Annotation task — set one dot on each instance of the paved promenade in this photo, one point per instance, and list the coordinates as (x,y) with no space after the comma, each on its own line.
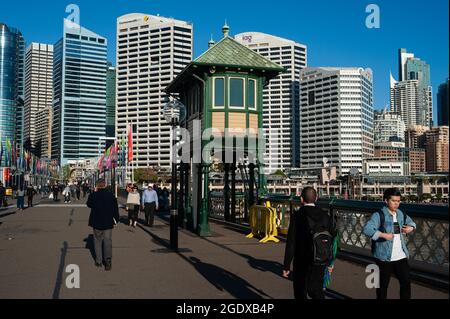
(37,245)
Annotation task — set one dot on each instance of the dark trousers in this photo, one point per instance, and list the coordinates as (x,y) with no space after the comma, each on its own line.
(149,209)
(30,201)
(308,281)
(401,270)
(20,202)
(102,239)
(55,196)
(133,212)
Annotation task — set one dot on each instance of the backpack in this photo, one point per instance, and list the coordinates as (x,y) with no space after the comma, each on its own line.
(383,230)
(323,241)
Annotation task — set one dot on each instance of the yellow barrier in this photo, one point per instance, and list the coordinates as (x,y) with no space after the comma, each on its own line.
(263,223)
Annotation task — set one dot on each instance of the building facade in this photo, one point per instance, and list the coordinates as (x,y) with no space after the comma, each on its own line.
(412,95)
(79,106)
(437,149)
(442,104)
(336,117)
(12,47)
(388,125)
(415,136)
(44,123)
(385,167)
(398,152)
(151,51)
(111,101)
(281,100)
(38,88)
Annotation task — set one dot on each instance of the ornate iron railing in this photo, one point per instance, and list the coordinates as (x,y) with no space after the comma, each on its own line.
(428,245)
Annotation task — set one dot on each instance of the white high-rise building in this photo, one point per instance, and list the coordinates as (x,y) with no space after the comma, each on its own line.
(336,117)
(281,100)
(406,99)
(38,87)
(388,125)
(151,52)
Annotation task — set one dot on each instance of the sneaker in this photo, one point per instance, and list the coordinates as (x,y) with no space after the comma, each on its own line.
(108,265)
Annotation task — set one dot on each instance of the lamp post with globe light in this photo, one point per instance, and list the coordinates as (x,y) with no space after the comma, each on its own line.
(174,112)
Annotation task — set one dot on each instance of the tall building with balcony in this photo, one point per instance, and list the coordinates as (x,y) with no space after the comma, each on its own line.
(437,149)
(38,88)
(336,117)
(415,136)
(442,104)
(151,52)
(412,95)
(281,100)
(388,126)
(12,48)
(79,105)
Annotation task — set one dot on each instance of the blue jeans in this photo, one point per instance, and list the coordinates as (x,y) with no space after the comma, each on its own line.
(20,202)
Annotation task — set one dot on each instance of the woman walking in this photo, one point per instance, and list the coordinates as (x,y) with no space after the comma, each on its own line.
(20,198)
(133,204)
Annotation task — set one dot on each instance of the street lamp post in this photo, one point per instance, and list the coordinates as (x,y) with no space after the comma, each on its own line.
(174,112)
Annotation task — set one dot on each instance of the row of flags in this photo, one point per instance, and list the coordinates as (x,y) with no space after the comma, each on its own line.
(11,155)
(118,153)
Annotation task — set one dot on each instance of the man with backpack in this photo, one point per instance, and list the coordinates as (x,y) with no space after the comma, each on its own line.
(310,242)
(388,229)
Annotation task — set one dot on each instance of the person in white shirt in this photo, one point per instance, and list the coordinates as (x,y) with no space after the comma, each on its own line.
(149,204)
(388,229)
(133,202)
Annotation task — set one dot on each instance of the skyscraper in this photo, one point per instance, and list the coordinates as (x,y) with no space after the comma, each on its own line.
(79,107)
(44,123)
(336,117)
(151,51)
(418,100)
(281,101)
(442,100)
(388,125)
(437,149)
(110,101)
(11,83)
(38,87)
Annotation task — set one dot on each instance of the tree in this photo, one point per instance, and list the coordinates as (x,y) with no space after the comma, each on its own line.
(145,175)
(65,172)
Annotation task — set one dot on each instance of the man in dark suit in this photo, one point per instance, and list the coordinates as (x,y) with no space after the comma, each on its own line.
(104,216)
(308,277)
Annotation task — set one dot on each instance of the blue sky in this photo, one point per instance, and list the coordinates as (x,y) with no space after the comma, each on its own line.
(334,31)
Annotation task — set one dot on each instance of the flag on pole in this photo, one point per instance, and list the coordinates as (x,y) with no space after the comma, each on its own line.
(130,143)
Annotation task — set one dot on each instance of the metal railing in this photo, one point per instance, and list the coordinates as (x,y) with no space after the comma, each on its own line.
(428,245)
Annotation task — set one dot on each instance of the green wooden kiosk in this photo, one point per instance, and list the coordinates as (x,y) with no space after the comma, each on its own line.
(221,89)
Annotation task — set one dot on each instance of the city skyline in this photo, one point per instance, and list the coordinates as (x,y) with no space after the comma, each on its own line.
(352,46)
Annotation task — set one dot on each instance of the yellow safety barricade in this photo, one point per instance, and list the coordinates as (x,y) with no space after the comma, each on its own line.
(263,223)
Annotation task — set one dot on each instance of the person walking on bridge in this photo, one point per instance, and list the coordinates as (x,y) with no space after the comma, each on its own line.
(149,204)
(104,216)
(310,242)
(388,229)
(133,204)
